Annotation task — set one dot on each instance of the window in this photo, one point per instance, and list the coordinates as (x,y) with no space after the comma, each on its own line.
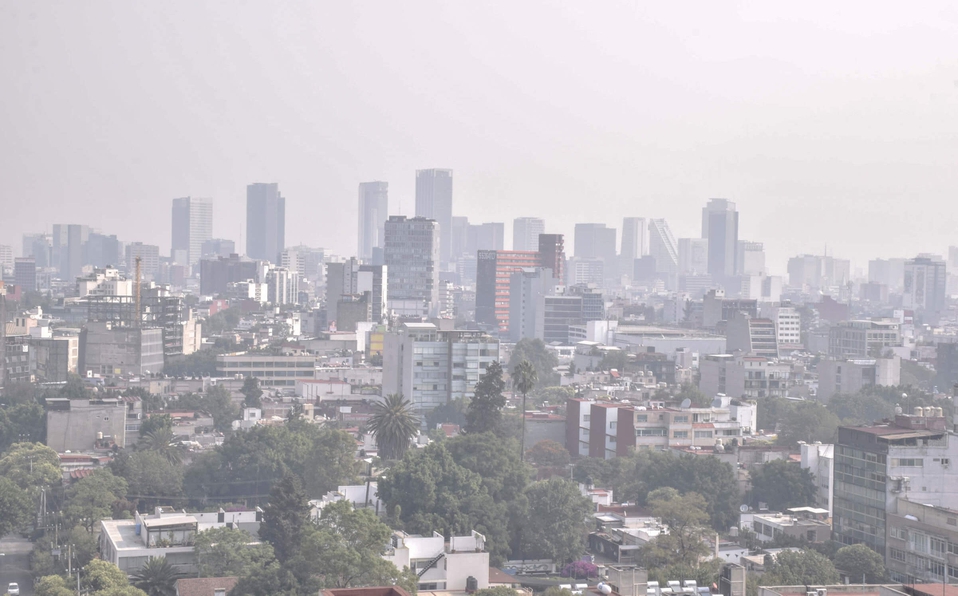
(586,418)
(641,417)
(938,547)
(680,434)
(703,434)
(612,425)
(680,419)
(610,438)
(650,432)
(908,462)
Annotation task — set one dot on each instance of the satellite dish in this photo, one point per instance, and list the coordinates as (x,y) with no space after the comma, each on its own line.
(717,402)
(686,404)
(743,508)
(604,588)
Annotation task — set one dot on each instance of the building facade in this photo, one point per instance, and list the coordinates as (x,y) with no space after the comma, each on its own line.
(434,201)
(192,226)
(265,222)
(494,269)
(412,257)
(525,233)
(373,213)
(430,367)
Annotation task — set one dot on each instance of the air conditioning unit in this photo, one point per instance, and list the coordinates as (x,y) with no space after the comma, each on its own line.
(821,592)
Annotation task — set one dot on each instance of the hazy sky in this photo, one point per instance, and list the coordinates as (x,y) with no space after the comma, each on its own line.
(827,122)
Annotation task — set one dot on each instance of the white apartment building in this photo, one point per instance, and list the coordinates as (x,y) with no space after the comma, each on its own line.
(270,370)
(819,459)
(130,543)
(431,366)
(104,282)
(788,326)
(440,565)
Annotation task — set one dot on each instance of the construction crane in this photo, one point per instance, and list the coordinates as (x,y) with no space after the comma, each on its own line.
(136,289)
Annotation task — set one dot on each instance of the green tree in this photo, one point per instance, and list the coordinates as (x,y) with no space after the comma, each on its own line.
(345,548)
(524,378)
(226,552)
(687,539)
(164,442)
(428,491)
(543,359)
(157,577)
(781,485)
(555,527)
(494,460)
(32,466)
(219,404)
(859,562)
(799,568)
(451,412)
(100,576)
(252,393)
(485,408)
(91,499)
(52,585)
(150,477)
(154,423)
(15,507)
(617,359)
(85,545)
(549,454)
(394,424)
(808,421)
(645,470)
(22,422)
(285,517)
(500,591)
(692,393)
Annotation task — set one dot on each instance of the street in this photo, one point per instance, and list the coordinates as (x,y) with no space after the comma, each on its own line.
(15,564)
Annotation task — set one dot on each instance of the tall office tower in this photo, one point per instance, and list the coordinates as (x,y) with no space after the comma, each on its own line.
(40,248)
(192,226)
(412,257)
(693,256)
(595,241)
(925,278)
(265,222)
(217,247)
(101,250)
(25,274)
(434,201)
(6,257)
(750,258)
(635,243)
(635,238)
(149,259)
(525,232)
(662,247)
(68,244)
(493,271)
(720,228)
(373,212)
(552,254)
(488,236)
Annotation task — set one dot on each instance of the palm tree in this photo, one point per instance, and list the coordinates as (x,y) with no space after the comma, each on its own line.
(157,578)
(394,424)
(164,442)
(524,378)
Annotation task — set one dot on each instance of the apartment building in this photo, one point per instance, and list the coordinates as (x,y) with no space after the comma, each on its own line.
(270,370)
(863,338)
(749,377)
(849,376)
(907,458)
(454,566)
(431,366)
(609,429)
(922,543)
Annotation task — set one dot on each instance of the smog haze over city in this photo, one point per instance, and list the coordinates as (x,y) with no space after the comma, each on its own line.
(829,124)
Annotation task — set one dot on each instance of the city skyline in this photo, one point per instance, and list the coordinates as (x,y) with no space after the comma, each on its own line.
(826,135)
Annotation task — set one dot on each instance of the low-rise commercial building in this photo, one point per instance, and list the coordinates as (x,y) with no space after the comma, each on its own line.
(748,377)
(269,369)
(849,376)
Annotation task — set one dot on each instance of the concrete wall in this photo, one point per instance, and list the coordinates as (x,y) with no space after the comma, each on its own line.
(75,429)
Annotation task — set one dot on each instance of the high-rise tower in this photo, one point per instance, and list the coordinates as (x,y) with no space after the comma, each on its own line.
(265,222)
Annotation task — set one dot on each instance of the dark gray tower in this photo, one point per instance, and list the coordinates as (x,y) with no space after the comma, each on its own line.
(265,222)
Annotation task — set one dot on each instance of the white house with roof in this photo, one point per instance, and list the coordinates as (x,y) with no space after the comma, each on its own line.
(445,566)
(360,495)
(130,543)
